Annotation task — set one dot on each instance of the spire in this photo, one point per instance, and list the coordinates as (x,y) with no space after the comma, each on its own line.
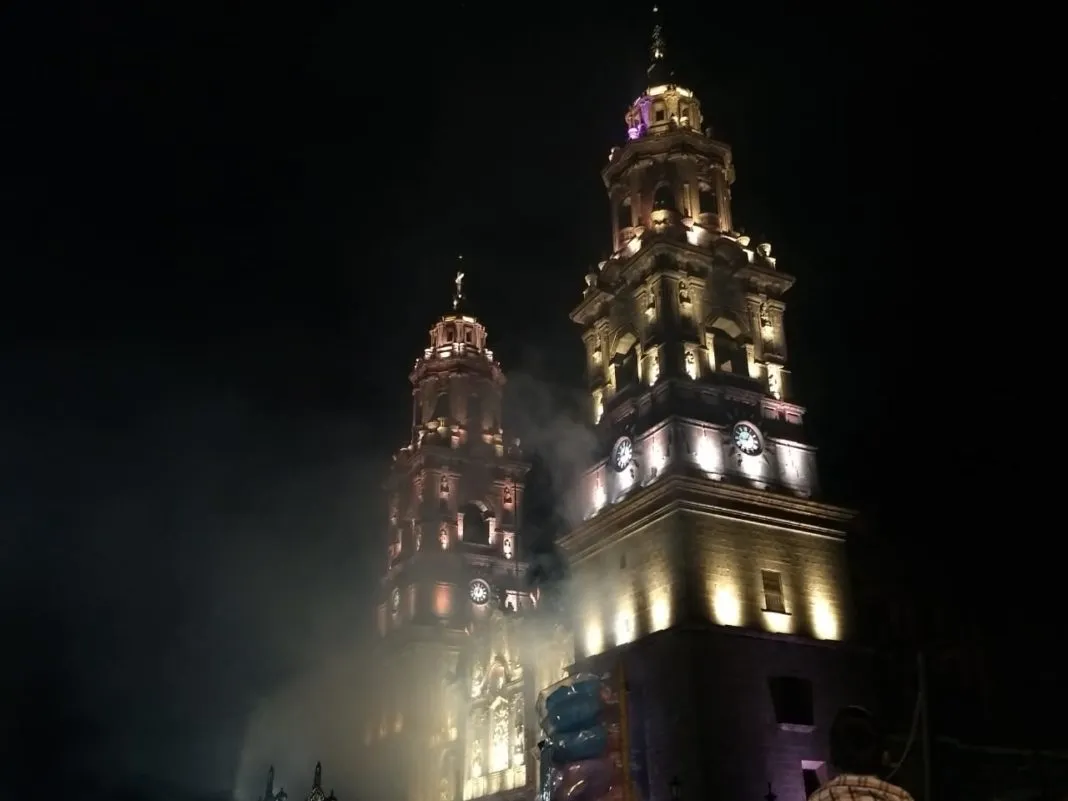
(458,294)
(658,71)
(318,781)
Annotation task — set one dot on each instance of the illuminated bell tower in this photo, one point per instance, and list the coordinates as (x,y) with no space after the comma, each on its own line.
(454,690)
(703,561)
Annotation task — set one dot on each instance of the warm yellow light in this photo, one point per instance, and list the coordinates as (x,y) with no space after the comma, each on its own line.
(660,613)
(624,626)
(709,457)
(777,622)
(594,639)
(726,607)
(652,372)
(824,619)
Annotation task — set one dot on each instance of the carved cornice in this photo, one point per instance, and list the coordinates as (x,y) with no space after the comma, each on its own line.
(675,493)
(589,308)
(766,279)
(684,141)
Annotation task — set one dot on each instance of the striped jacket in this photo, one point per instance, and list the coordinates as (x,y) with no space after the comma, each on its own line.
(848,787)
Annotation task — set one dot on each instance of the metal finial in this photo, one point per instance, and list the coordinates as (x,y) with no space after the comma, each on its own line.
(458,295)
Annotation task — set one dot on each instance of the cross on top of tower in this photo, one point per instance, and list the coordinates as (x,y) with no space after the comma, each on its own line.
(658,71)
(658,37)
(458,294)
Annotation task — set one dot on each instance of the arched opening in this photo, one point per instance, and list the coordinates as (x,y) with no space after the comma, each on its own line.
(476,523)
(664,198)
(707,199)
(730,353)
(625,361)
(441,406)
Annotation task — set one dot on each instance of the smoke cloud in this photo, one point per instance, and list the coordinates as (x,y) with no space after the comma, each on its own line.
(550,419)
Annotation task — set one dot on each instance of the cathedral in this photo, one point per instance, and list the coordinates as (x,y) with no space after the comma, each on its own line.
(705,569)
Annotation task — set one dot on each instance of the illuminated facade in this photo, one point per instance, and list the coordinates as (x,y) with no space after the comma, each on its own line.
(453,718)
(704,561)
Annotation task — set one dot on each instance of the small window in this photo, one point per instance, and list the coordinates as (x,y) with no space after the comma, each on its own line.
(659,117)
(791,697)
(469,336)
(773,597)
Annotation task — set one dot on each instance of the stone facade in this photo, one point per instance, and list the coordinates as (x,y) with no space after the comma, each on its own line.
(705,570)
(452,713)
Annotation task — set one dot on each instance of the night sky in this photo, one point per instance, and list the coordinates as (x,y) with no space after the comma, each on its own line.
(227,238)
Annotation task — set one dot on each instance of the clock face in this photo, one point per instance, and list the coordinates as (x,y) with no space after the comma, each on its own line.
(622,453)
(395,599)
(747,439)
(479,592)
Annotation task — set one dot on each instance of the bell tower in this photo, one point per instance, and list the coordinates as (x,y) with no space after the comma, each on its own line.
(704,562)
(454,686)
(686,317)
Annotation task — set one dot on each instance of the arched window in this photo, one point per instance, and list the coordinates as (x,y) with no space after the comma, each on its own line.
(625,360)
(623,218)
(707,199)
(730,354)
(663,199)
(441,406)
(476,524)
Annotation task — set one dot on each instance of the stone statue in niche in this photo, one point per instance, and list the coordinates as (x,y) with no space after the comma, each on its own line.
(443,487)
(519,747)
(775,384)
(418,537)
(691,364)
(650,305)
(684,294)
(443,537)
(476,758)
(507,495)
(765,316)
(478,679)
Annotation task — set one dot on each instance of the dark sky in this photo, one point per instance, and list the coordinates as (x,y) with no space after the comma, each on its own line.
(228,234)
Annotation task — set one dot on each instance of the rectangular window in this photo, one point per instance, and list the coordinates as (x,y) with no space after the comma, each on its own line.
(773,596)
(791,698)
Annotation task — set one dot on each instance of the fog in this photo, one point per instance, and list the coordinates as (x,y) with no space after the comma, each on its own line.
(191,560)
(320,714)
